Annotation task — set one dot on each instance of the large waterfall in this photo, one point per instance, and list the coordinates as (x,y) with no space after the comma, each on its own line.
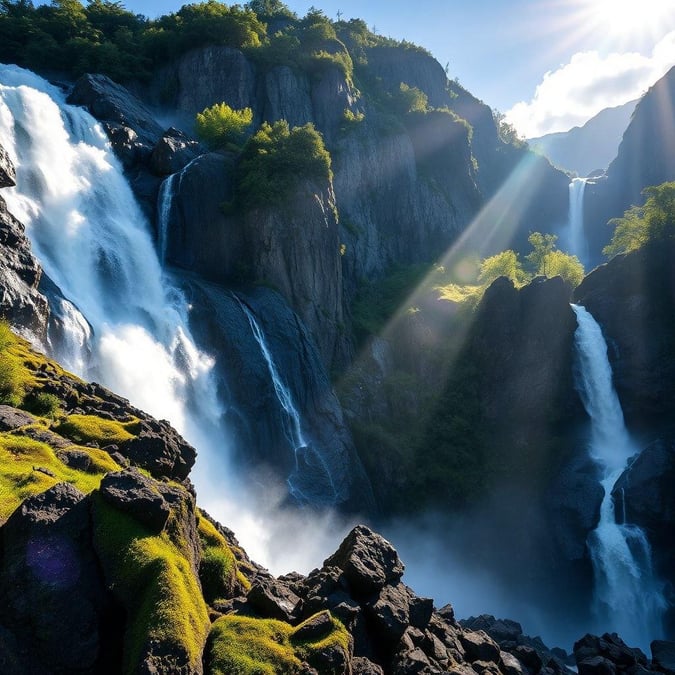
(577,237)
(628,597)
(126,324)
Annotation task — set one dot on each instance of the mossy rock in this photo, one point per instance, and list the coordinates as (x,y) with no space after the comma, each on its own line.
(167,619)
(241,645)
(218,570)
(93,429)
(28,467)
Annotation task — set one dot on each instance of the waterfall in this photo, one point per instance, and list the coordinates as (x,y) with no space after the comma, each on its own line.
(321,487)
(164,204)
(577,237)
(125,325)
(628,596)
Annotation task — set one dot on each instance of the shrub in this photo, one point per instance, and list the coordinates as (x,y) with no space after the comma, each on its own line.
(221,126)
(276,158)
(43,404)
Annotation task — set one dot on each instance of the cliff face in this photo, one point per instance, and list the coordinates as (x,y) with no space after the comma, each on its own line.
(646,157)
(21,302)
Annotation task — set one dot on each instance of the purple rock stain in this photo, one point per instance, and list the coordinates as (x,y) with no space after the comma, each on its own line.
(53,561)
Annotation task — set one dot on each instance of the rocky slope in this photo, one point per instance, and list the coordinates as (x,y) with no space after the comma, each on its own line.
(108,566)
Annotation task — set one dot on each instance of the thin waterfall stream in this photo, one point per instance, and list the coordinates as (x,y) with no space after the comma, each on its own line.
(628,596)
(577,237)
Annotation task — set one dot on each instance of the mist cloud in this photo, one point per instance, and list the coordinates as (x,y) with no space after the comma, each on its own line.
(590,82)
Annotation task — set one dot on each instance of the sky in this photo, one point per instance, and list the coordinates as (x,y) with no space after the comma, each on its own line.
(548,65)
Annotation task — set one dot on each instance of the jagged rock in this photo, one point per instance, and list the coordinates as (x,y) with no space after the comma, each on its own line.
(173,152)
(420,609)
(596,665)
(363,666)
(390,613)
(529,657)
(161,451)
(367,560)
(663,655)
(7,170)
(127,145)
(500,630)
(315,628)
(11,418)
(510,665)
(21,303)
(108,101)
(269,597)
(131,492)
(51,590)
(479,646)
(288,96)
(595,654)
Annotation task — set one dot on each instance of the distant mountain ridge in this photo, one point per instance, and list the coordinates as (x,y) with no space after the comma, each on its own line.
(589,147)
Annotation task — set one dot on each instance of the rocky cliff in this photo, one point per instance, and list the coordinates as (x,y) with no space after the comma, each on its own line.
(108,566)
(646,157)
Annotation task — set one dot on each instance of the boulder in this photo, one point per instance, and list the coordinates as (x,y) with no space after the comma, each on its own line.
(173,152)
(7,170)
(367,560)
(51,590)
(606,654)
(111,102)
(389,614)
(271,598)
(363,666)
(663,656)
(479,646)
(12,418)
(161,450)
(131,492)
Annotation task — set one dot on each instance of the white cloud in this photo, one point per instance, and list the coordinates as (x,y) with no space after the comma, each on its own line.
(578,90)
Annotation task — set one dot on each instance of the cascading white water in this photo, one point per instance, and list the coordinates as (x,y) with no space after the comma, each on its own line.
(577,238)
(628,596)
(92,240)
(126,323)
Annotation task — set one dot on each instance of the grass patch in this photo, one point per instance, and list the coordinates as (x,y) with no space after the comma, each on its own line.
(20,459)
(156,585)
(92,429)
(14,376)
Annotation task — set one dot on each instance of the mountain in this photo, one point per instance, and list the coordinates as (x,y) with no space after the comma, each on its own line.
(646,157)
(588,148)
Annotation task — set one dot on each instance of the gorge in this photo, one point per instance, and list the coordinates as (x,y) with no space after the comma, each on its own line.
(444,425)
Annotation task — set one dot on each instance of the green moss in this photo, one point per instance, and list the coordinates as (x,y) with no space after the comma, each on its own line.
(89,428)
(241,645)
(156,585)
(14,376)
(217,567)
(24,464)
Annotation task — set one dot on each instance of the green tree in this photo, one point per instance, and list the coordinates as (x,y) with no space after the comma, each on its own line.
(504,264)
(653,221)
(276,157)
(220,126)
(559,264)
(270,9)
(542,245)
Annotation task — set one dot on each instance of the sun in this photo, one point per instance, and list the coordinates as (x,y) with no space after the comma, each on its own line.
(623,18)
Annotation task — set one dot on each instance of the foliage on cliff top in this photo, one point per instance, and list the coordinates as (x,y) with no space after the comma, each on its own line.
(221,126)
(276,158)
(105,37)
(640,225)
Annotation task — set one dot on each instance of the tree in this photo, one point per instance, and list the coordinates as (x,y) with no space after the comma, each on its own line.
(653,221)
(542,245)
(220,125)
(504,264)
(559,264)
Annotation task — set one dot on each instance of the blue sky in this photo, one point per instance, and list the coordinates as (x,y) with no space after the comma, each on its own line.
(548,64)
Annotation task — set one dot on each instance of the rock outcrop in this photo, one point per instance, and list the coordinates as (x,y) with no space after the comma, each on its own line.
(21,302)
